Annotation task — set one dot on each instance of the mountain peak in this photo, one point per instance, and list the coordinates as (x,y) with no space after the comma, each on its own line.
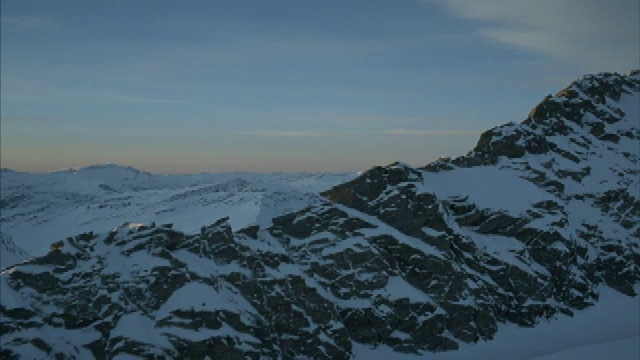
(593,109)
(101,169)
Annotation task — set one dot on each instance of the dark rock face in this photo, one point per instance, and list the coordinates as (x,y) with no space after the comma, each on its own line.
(588,103)
(417,259)
(185,286)
(389,193)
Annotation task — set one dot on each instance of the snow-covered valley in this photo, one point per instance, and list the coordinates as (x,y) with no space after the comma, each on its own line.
(41,208)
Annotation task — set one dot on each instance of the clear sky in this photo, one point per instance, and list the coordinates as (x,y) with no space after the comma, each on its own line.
(211,86)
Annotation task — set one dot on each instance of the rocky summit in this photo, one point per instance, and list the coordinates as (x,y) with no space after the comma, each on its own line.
(530,223)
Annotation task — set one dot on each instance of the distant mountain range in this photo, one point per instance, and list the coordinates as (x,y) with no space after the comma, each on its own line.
(531,223)
(38,207)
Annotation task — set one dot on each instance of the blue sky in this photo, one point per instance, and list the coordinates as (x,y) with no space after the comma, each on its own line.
(212,86)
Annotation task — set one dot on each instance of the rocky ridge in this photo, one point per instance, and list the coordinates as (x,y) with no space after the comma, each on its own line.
(528,224)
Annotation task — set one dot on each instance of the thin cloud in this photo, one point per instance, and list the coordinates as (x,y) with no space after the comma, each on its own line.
(146,100)
(596,35)
(441,132)
(46,91)
(27,119)
(29,24)
(281,133)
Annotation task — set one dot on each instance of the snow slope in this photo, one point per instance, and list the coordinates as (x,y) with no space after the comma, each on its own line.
(10,253)
(41,208)
(608,330)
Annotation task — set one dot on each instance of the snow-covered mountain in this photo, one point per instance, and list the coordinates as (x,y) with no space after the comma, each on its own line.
(535,222)
(39,207)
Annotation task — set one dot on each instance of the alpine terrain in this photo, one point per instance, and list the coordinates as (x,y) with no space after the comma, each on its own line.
(37,207)
(536,221)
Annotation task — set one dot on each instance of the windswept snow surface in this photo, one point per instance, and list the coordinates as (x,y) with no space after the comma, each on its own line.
(10,253)
(608,330)
(619,349)
(488,187)
(41,208)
